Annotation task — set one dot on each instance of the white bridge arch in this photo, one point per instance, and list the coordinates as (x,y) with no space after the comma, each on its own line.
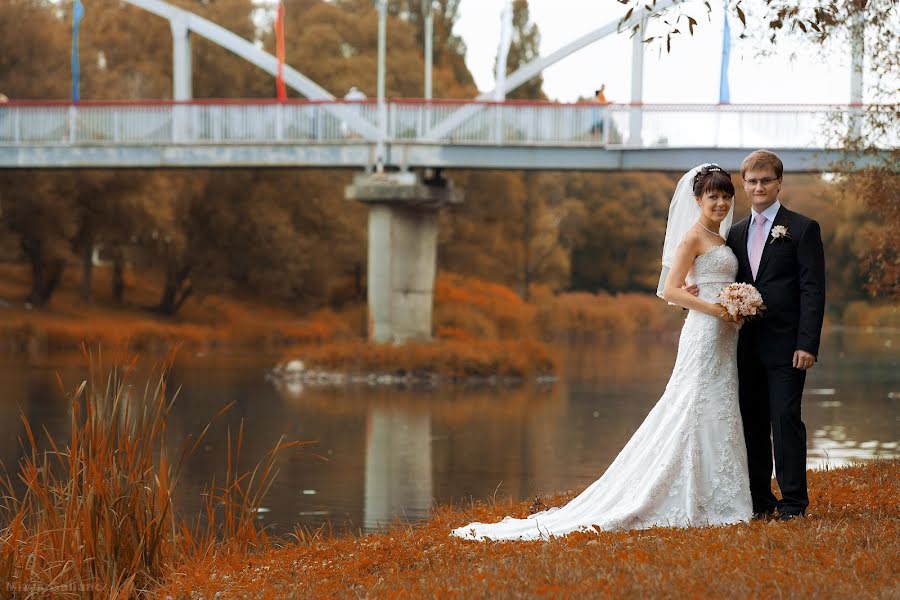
(183,22)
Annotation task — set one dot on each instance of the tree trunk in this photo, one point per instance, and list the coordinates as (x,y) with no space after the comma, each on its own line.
(45,275)
(527,236)
(34,252)
(87,270)
(53,278)
(176,291)
(118,276)
(358,280)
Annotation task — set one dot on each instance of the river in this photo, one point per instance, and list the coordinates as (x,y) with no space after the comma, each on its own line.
(384,453)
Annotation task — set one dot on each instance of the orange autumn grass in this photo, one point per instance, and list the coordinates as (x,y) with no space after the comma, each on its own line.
(483,329)
(846,548)
(93,517)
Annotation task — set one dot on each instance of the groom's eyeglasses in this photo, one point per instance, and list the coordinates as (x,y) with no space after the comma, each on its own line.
(766,181)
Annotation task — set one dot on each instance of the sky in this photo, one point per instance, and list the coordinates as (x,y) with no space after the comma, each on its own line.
(796,73)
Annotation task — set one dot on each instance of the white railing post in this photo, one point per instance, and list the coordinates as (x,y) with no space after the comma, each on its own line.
(606,119)
(73,124)
(279,121)
(17,125)
(319,120)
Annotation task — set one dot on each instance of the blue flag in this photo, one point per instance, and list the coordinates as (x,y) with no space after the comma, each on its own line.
(724,91)
(77,16)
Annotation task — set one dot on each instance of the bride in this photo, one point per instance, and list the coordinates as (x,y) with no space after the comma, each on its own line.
(687,464)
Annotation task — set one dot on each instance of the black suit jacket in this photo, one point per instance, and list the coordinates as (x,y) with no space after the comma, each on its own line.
(791,279)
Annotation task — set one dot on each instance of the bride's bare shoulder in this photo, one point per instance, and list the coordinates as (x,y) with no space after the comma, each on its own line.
(691,243)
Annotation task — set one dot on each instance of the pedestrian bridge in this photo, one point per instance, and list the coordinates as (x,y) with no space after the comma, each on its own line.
(419,134)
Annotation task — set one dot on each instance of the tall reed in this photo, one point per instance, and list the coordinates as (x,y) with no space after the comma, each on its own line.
(94,517)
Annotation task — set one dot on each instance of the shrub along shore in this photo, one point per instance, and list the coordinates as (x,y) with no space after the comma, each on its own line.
(482,330)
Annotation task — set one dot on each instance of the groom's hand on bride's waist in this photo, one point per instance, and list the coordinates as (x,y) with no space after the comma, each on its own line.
(693,290)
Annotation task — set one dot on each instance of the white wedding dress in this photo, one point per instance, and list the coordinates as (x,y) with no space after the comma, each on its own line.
(686,465)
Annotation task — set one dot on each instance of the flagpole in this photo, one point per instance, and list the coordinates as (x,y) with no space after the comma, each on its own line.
(382,106)
(77,16)
(724,89)
(279,42)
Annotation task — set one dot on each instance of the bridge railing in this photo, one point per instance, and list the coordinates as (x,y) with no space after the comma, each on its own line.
(486,123)
(622,126)
(220,122)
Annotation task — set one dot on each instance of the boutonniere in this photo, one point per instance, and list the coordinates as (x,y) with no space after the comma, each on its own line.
(779,232)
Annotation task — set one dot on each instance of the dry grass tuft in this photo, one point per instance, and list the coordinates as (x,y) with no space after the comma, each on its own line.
(94,518)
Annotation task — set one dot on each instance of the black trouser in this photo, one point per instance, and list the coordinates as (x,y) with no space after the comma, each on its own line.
(770,408)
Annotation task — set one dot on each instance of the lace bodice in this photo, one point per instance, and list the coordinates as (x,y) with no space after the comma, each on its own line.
(713,270)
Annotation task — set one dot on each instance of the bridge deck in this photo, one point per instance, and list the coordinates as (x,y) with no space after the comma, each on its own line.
(510,135)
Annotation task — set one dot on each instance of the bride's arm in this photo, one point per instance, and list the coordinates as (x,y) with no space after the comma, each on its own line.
(685,254)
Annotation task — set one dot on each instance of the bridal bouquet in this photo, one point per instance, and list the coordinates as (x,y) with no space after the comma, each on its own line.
(741,301)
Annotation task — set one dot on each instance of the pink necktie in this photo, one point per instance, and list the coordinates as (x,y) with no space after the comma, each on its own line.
(757,242)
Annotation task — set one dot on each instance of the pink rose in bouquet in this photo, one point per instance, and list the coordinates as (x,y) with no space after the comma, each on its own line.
(741,301)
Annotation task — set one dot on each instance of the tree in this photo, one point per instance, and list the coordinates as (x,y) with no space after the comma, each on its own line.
(211,61)
(525,48)
(449,48)
(43,220)
(620,242)
(113,65)
(30,28)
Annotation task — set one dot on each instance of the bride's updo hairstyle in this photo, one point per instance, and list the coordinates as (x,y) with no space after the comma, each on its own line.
(713,178)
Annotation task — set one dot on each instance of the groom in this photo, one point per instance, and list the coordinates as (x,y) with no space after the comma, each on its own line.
(780,253)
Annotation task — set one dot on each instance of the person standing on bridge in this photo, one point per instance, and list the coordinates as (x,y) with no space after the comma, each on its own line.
(353,96)
(780,252)
(600,113)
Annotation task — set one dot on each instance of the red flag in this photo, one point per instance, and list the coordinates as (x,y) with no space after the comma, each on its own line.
(279,42)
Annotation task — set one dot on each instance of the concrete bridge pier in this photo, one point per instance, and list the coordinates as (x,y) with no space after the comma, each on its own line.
(403,227)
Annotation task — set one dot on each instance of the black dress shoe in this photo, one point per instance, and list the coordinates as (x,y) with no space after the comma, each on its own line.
(789,516)
(763,515)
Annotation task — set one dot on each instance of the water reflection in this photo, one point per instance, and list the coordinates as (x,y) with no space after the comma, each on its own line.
(382,454)
(398,465)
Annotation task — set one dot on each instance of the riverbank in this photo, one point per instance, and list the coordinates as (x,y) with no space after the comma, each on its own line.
(205,323)
(483,331)
(846,548)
